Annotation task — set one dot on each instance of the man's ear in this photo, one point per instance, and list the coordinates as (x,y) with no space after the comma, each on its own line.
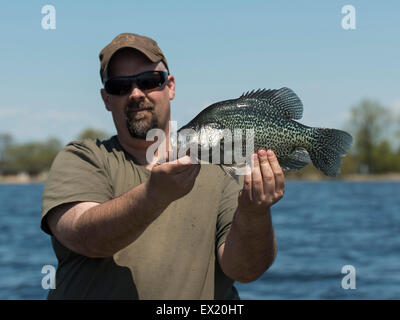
(171,87)
(106,99)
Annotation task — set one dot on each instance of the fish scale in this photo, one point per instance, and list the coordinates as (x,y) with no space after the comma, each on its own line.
(271,114)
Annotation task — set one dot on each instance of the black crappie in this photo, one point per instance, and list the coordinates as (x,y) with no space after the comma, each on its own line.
(270,114)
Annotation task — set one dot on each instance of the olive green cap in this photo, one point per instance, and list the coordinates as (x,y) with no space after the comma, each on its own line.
(143,44)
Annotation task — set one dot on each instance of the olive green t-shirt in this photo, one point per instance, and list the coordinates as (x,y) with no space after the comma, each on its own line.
(174,258)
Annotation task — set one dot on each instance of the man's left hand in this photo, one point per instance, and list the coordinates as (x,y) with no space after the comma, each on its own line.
(264,185)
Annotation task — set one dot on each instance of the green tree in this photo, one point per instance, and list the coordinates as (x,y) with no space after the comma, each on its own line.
(5,141)
(91,133)
(350,164)
(386,159)
(31,157)
(368,124)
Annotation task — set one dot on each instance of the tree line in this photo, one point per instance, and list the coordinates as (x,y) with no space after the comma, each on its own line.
(376,147)
(34,157)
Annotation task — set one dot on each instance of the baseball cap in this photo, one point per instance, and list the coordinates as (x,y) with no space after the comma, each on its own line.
(145,45)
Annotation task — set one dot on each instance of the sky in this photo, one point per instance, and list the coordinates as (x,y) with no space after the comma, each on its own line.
(50,84)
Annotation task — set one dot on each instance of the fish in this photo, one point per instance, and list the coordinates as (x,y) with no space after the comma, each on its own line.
(269,116)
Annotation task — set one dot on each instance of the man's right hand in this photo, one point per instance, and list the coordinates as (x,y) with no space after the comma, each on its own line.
(172,180)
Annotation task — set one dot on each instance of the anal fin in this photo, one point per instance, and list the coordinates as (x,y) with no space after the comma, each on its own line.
(298,159)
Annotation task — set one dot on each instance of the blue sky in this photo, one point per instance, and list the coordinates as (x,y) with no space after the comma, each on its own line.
(216,50)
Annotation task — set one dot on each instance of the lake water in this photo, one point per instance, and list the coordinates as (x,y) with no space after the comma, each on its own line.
(320,227)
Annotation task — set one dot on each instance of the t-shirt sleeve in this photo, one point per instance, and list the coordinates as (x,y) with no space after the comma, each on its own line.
(227,208)
(78,173)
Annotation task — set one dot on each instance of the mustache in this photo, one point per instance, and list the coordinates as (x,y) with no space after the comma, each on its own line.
(139,105)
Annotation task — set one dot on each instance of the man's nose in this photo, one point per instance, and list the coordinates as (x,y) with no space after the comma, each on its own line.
(136,93)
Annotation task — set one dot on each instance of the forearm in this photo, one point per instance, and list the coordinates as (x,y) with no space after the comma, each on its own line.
(100,230)
(107,228)
(250,247)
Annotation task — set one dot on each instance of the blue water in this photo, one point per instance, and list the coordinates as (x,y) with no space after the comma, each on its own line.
(320,227)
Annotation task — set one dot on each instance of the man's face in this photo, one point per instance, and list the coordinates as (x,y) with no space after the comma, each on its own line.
(138,111)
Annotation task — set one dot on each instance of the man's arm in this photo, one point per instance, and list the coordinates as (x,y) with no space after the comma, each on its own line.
(250,246)
(100,230)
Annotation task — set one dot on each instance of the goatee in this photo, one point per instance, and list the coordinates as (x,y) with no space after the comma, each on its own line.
(140,122)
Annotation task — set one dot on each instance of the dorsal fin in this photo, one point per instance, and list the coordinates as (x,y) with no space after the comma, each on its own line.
(262,94)
(284,99)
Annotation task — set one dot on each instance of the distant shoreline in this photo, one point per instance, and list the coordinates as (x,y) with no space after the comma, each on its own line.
(22,179)
(26,179)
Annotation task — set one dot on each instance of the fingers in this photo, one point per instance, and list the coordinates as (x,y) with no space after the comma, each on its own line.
(277,172)
(257,180)
(267,172)
(178,166)
(187,178)
(192,175)
(183,168)
(246,193)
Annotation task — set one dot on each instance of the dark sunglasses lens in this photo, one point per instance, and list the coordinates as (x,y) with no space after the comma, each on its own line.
(145,81)
(118,86)
(151,80)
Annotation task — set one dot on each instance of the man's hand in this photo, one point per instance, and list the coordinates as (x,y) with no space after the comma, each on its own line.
(172,180)
(264,185)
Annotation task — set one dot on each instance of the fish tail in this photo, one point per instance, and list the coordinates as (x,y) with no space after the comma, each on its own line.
(328,147)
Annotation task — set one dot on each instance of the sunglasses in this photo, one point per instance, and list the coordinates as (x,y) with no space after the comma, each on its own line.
(145,81)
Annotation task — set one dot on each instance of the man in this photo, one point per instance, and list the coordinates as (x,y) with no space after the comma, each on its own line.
(124,228)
